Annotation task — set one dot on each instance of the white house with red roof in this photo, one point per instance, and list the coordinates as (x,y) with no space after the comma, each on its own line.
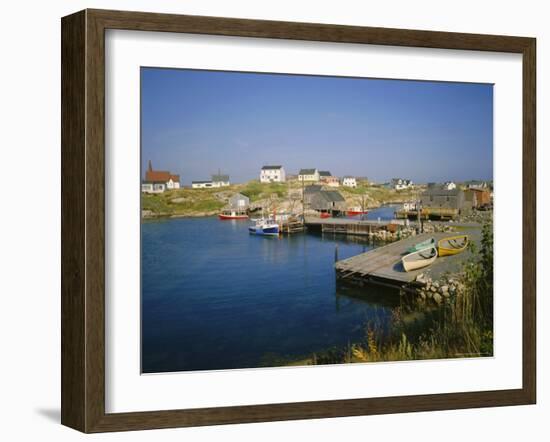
(157,181)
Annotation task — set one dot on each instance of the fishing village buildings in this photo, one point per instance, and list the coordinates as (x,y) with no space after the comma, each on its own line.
(157,181)
(326,178)
(218,180)
(239,202)
(349,181)
(401,184)
(272,174)
(308,175)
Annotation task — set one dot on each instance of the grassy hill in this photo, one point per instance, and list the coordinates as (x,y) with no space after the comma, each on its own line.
(208,202)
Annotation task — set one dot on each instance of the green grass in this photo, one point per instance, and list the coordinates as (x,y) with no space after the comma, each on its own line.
(182,202)
(256,190)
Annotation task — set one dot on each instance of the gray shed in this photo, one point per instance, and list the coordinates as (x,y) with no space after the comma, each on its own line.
(436,197)
(239,201)
(327,200)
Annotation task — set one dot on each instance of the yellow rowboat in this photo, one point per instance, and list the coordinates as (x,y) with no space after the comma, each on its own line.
(419,259)
(452,245)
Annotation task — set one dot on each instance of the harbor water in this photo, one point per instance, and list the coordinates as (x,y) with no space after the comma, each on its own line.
(215,297)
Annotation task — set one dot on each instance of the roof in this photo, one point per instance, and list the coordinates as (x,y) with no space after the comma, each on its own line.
(239,195)
(347,177)
(433,191)
(307,171)
(271,167)
(160,176)
(313,188)
(324,173)
(332,195)
(201,182)
(220,177)
(474,189)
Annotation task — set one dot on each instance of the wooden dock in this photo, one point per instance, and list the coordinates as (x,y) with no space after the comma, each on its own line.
(354,227)
(383,264)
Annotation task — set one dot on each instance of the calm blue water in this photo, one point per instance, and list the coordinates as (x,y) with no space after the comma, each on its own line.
(215,297)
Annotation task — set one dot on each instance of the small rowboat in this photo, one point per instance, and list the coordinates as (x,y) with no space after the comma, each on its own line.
(421,245)
(419,259)
(452,245)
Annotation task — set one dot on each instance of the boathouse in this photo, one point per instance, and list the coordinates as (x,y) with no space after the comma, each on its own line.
(327,201)
(440,198)
(239,201)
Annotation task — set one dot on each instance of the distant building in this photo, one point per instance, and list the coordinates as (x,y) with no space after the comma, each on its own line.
(239,201)
(400,184)
(201,184)
(272,174)
(475,184)
(437,197)
(478,198)
(308,175)
(219,180)
(332,181)
(327,201)
(157,181)
(409,205)
(324,174)
(349,181)
(449,185)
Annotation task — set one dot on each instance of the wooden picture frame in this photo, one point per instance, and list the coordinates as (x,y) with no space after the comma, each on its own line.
(83,220)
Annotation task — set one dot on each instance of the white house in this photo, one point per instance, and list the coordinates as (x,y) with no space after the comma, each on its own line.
(349,181)
(219,180)
(308,175)
(272,174)
(153,187)
(449,185)
(476,184)
(201,184)
(157,181)
(400,183)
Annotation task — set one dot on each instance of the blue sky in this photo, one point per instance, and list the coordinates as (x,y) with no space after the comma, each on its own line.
(196,122)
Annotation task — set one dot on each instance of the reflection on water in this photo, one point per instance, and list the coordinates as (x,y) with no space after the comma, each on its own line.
(215,297)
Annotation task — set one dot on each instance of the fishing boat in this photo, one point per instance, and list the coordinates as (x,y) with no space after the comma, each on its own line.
(419,259)
(233,214)
(452,245)
(354,211)
(325,215)
(421,245)
(264,227)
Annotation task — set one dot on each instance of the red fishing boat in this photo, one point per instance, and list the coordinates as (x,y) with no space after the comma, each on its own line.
(233,214)
(354,211)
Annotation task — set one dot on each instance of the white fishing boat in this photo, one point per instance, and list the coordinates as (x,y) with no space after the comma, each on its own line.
(264,227)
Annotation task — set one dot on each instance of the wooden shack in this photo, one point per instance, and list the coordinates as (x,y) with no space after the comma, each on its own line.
(479,198)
